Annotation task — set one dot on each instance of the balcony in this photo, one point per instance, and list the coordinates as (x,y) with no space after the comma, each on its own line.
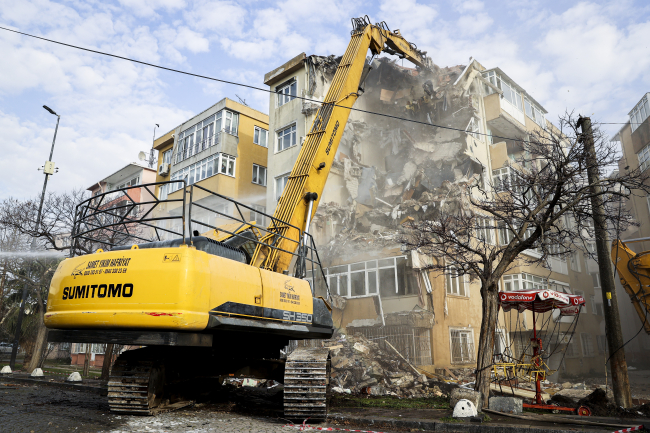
(223,141)
(504,117)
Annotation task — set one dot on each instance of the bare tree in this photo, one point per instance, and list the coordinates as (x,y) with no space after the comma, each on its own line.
(543,204)
(64,226)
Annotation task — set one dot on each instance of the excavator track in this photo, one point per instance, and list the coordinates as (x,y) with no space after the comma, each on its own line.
(306,384)
(136,383)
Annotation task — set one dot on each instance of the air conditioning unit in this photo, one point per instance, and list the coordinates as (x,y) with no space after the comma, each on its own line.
(163,170)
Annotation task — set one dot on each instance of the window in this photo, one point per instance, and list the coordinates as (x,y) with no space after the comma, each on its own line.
(534,112)
(644,158)
(505,234)
(227,165)
(128,183)
(510,94)
(524,281)
(501,348)
(484,230)
(587,345)
(456,284)
(286,92)
(261,136)
(167,157)
(595,277)
(594,310)
(572,349)
(473,129)
(219,163)
(205,134)
(601,341)
(387,277)
(286,138)
(259,175)
(257,215)
(230,122)
(462,345)
(280,183)
(501,178)
(639,113)
(574,261)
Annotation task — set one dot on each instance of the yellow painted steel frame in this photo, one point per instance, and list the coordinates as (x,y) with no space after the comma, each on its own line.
(637,286)
(322,142)
(166,289)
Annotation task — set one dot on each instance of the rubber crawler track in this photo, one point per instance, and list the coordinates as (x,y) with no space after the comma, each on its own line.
(135,383)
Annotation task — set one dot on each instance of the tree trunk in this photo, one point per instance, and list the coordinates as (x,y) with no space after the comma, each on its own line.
(108,358)
(486,342)
(40,344)
(87,360)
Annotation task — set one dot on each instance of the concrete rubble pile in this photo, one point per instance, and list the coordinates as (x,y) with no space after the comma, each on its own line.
(396,171)
(361,366)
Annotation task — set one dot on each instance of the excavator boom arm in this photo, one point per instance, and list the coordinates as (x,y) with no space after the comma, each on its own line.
(634,272)
(304,188)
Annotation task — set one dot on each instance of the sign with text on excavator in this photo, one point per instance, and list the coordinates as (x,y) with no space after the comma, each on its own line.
(171,258)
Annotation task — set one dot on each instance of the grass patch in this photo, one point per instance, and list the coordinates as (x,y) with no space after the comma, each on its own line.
(390,402)
(486,418)
(450,419)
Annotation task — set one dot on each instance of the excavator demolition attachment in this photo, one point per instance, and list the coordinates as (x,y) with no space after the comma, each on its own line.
(221,303)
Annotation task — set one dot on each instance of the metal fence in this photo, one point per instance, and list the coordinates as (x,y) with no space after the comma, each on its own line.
(413,343)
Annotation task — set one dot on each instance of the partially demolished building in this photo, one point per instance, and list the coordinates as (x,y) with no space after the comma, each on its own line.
(388,171)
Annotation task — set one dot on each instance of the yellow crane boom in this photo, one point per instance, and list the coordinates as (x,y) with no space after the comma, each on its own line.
(634,272)
(303,191)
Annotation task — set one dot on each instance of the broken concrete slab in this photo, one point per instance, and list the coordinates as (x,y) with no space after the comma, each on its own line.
(511,405)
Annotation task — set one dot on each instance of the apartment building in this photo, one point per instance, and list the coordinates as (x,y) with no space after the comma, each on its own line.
(634,140)
(223,150)
(387,172)
(125,191)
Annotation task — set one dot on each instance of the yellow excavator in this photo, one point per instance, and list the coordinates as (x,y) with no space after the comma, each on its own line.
(634,272)
(223,302)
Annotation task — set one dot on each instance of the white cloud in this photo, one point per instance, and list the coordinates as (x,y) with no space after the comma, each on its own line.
(147,8)
(474,24)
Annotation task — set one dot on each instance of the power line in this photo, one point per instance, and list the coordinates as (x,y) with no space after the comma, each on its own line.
(234,83)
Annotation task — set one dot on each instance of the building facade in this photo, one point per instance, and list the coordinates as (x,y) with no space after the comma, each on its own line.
(388,172)
(634,140)
(223,150)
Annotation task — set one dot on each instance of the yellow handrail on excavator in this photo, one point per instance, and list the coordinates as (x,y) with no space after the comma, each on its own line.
(634,272)
(304,188)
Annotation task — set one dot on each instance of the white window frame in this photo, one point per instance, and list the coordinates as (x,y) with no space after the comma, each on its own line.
(474,129)
(167,156)
(484,230)
(261,136)
(287,92)
(639,113)
(644,158)
(456,285)
(464,355)
(280,184)
(524,281)
(501,178)
(587,345)
(259,173)
(191,141)
(372,271)
(289,131)
(201,170)
(257,214)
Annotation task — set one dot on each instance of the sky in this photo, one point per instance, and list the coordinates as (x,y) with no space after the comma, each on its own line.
(587,57)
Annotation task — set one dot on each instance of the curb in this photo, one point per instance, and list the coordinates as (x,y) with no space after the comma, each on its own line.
(100,390)
(430,425)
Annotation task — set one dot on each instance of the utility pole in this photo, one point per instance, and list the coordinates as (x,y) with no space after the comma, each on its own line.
(618,365)
(48,169)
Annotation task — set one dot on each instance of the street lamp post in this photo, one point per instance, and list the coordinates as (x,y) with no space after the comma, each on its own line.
(48,169)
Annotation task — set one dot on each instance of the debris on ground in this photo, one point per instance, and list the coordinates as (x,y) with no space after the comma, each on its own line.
(363,367)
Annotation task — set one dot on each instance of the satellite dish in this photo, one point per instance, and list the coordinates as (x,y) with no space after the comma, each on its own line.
(142,156)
